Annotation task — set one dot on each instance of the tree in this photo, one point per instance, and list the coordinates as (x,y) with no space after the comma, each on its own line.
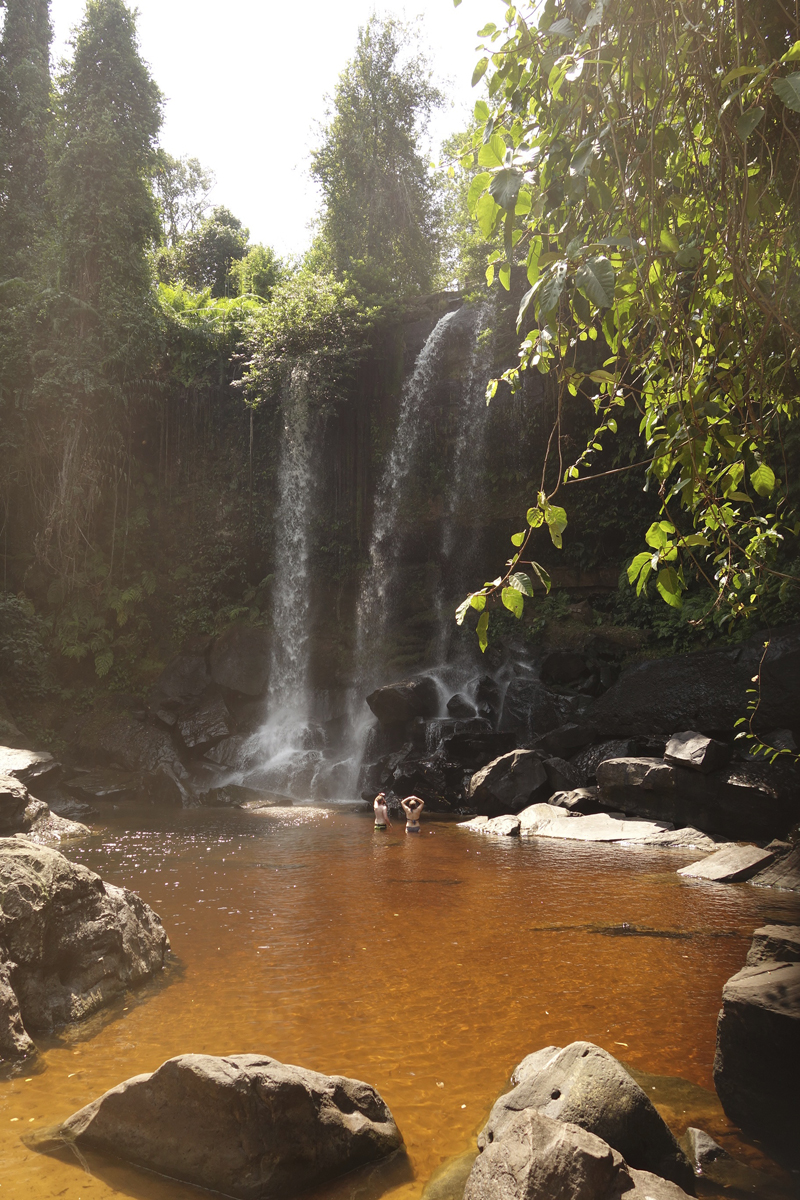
(182,187)
(207,254)
(258,273)
(640,159)
(24,124)
(380,220)
(95,314)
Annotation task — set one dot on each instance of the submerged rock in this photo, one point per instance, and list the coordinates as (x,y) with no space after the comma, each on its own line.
(757,1058)
(70,943)
(584,1085)
(245,1125)
(712,1162)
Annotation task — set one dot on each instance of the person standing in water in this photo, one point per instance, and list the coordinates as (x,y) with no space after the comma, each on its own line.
(381,809)
(412,807)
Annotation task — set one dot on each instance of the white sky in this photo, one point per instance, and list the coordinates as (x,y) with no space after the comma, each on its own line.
(245,80)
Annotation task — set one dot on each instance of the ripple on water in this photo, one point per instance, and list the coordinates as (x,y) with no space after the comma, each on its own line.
(423,965)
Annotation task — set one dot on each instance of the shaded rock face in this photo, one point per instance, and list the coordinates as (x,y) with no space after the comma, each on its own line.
(13,802)
(757,1060)
(70,943)
(783,874)
(22,813)
(735,802)
(245,1125)
(239,660)
(509,784)
(531,709)
(539,1158)
(705,691)
(181,684)
(399,703)
(133,746)
(586,1086)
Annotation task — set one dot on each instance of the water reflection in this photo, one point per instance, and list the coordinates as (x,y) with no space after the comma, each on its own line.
(427,966)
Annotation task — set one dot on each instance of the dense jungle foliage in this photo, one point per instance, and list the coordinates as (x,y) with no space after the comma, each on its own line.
(631,173)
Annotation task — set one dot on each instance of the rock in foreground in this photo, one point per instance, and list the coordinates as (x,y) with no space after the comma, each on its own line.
(586,1086)
(538,1158)
(69,943)
(246,1125)
(757,1061)
(731,864)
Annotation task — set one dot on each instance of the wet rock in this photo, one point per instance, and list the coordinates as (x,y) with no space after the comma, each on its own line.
(13,802)
(434,780)
(460,706)
(450,1179)
(15,1043)
(27,765)
(697,752)
(604,827)
(712,1162)
(563,666)
(758,1052)
(683,839)
(106,783)
(732,864)
(736,802)
(210,723)
(531,818)
(585,1086)
(133,746)
(399,703)
(588,760)
(476,749)
(561,775)
(489,698)
(48,828)
(181,684)
(706,691)
(76,942)
(577,800)
(234,752)
(564,741)
(783,874)
(509,784)
(774,943)
(239,659)
(531,709)
(244,1125)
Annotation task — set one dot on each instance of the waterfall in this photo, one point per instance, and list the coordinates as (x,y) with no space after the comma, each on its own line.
(284,747)
(380,581)
(466,489)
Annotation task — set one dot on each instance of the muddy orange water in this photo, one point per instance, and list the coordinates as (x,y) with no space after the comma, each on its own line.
(428,966)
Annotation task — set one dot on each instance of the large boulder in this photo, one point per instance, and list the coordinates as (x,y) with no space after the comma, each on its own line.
(70,942)
(586,1086)
(28,765)
(475,749)
(208,724)
(240,658)
(757,1060)
(539,1158)
(133,745)
(697,752)
(245,1125)
(737,802)
(22,813)
(531,709)
(731,864)
(399,703)
(509,784)
(705,691)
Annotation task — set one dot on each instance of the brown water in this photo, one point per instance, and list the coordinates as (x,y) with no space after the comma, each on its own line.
(427,966)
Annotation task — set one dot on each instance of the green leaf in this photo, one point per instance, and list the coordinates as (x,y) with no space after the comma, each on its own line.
(659,534)
(562,28)
(542,576)
(552,288)
(480,70)
(792,54)
(788,90)
(669,241)
(521,582)
(487,213)
(493,154)
(476,189)
(513,600)
(461,611)
(477,601)
(505,187)
(635,567)
(748,121)
(556,522)
(535,517)
(669,586)
(763,480)
(481,630)
(517,539)
(596,280)
(582,156)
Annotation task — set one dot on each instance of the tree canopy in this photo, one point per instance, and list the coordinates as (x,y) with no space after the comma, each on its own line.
(380,220)
(640,159)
